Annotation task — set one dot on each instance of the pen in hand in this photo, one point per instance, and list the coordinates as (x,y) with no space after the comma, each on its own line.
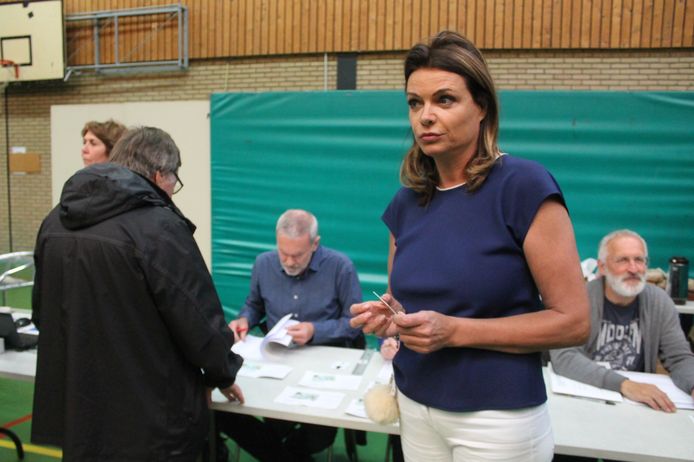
(385,303)
(238,331)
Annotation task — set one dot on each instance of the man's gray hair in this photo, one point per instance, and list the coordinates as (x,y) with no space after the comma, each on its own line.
(602,249)
(147,150)
(296,223)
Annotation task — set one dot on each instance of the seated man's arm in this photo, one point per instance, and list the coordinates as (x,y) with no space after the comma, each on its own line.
(575,363)
(348,292)
(253,311)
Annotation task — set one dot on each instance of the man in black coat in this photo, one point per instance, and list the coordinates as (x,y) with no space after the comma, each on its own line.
(132,333)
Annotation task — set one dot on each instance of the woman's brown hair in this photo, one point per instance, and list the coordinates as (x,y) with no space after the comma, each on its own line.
(454,53)
(108,132)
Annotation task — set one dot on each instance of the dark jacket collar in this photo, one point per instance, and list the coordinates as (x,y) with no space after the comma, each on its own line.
(101,191)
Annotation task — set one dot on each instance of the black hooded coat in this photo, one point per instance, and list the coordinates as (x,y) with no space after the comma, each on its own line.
(131,327)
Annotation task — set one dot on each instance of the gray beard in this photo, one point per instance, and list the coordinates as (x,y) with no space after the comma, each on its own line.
(617,284)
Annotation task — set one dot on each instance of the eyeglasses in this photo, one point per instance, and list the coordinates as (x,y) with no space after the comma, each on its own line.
(625,261)
(179,183)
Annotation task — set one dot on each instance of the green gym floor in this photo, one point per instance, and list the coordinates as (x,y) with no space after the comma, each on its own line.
(15,414)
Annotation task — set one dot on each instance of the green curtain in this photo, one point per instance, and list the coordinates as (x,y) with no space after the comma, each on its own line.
(623,159)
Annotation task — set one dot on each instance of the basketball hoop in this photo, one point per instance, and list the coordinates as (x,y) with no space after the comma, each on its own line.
(10,63)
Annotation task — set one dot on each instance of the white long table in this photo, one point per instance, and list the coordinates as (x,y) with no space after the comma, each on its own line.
(621,431)
(581,427)
(687,308)
(260,393)
(18,365)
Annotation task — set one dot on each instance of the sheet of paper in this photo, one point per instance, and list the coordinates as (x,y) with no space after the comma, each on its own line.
(265,370)
(566,386)
(329,381)
(295,396)
(681,399)
(360,401)
(252,348)
(249,348)
(356,408)
(278,333)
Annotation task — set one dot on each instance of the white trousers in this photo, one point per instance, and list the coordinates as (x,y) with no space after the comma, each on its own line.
(433,435)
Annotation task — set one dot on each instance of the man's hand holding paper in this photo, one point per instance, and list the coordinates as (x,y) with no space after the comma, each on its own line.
(301,333)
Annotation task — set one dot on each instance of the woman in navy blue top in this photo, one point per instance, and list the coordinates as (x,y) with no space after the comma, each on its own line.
(483,269)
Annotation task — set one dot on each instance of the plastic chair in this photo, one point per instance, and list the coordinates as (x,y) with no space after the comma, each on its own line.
(16,271)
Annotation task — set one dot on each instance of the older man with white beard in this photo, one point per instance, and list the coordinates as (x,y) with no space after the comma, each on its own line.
(632,325)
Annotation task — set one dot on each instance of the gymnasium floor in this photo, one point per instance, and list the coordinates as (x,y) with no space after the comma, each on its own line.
(15,414)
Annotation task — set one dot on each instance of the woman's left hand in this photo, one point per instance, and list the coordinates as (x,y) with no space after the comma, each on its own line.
(424,331)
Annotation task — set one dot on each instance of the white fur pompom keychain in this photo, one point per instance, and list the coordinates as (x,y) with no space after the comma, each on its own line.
(381,403)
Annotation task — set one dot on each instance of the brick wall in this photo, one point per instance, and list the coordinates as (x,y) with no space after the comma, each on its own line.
(29,103)
(552,70)
(29,117)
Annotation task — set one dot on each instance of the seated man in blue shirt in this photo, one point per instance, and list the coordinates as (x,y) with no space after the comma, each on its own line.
(317,286)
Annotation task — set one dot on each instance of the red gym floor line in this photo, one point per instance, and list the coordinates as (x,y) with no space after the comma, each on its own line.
(15,422)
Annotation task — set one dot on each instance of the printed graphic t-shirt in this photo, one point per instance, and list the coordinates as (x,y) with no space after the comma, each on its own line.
(620,343)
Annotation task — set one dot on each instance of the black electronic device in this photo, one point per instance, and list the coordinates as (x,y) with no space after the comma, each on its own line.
(15,340)
(21,322)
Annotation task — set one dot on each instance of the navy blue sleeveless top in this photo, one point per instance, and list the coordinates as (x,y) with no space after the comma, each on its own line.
(462,255)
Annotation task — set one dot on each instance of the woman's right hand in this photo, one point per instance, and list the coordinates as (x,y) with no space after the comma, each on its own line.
(375,317)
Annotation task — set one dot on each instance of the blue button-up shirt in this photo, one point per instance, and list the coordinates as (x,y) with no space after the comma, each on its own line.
(321,295)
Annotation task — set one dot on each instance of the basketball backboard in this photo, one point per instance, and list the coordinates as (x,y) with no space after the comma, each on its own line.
(32,37)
